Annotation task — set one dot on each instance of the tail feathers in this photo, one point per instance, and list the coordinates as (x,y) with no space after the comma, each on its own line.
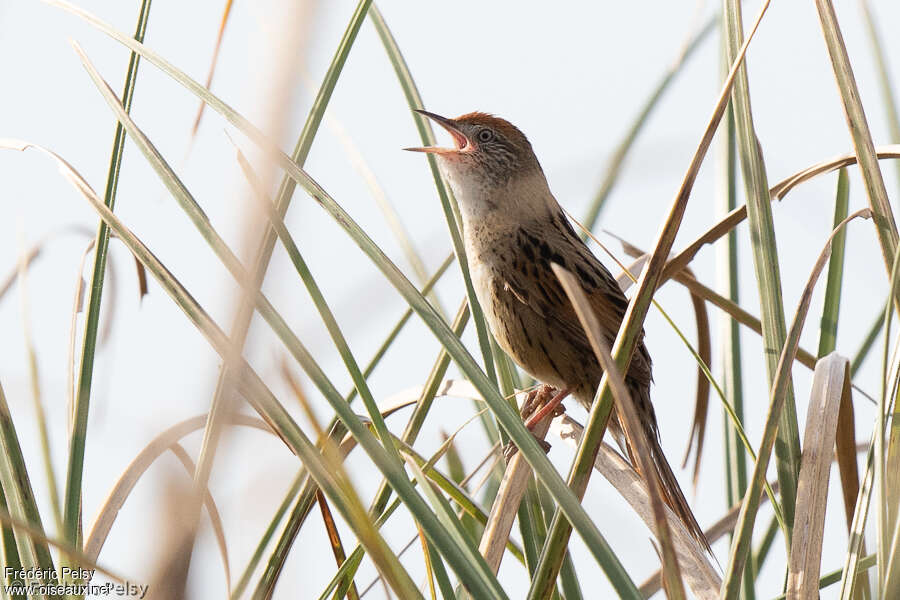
(672,493)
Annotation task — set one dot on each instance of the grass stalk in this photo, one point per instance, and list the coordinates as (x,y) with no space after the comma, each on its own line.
(78,434)
(765,261)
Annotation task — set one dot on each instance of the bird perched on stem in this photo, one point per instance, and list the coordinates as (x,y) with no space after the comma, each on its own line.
(514,229)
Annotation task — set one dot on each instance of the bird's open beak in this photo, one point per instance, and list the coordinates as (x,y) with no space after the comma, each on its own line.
(459,138)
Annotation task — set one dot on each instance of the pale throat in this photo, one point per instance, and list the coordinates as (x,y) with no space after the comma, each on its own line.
(483,204)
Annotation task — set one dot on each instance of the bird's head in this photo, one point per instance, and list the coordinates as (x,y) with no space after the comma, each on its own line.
(488,152)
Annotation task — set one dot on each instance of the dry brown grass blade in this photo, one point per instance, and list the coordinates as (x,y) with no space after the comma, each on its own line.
(631,422)
(509,496)
(212,66)
(699,574)
(831,386)
(845,452)
(778,191)
(108,512)
(701,404)
(334,538)
(211,509)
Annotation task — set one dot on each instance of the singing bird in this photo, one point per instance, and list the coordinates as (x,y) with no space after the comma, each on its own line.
(514,229)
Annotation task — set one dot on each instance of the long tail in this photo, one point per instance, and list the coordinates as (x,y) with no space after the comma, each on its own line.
(672,494)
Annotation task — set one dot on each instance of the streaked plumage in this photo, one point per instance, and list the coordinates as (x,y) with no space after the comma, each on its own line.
(514,229)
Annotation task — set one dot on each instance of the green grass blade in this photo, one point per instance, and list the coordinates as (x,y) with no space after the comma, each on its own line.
(832,305)
(13,576)
(32,553)
(728,281)
(448,519)
(448,203)
(424,403)
(325,314)
(765,262)
(78,435)
(869,341)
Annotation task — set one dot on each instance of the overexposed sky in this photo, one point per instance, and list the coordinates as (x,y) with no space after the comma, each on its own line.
(572,78)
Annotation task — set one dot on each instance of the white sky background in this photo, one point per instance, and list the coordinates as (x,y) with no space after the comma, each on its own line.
(571,79)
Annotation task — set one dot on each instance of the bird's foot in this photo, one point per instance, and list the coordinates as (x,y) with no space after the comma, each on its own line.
(538,404)
(552,407)
(535,398)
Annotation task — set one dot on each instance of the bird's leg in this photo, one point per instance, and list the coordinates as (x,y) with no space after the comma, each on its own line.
(535,399)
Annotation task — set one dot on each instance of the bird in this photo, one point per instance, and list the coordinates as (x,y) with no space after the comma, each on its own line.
(513,230)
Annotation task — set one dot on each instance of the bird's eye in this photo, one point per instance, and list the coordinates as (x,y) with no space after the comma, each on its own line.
(485,135)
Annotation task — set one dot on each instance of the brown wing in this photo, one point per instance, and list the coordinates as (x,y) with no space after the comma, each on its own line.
(535,285)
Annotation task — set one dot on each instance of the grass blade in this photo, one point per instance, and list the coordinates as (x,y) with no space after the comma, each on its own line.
(33,552)
(78,435)
(448,203)
(884,222)
(831,387)
(765,262)
(40,414)
(626,408)
(832,305)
